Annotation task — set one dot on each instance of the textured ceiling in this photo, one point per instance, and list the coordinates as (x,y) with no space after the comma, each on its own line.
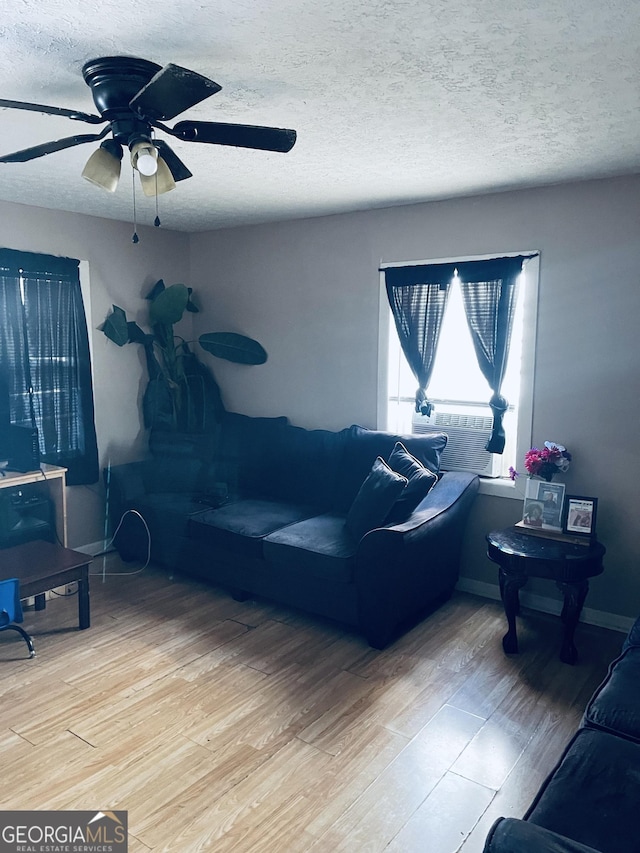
(394,101)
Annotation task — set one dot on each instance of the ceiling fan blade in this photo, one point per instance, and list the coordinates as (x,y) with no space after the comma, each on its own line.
(50,147)
(171,91)
(54,111)
(175,164)
(239,135)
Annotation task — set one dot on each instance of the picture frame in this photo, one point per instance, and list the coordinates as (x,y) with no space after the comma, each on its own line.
(579,516)
(532,513)
(551,495)
(543,506)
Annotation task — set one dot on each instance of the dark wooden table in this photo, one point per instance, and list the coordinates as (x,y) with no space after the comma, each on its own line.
(521,556)
(41,566)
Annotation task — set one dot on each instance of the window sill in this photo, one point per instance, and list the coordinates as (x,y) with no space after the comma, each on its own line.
(500,487)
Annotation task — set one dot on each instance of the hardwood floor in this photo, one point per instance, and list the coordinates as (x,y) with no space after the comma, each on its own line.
(227,726)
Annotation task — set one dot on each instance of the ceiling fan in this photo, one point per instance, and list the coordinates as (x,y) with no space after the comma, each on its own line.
(134,97)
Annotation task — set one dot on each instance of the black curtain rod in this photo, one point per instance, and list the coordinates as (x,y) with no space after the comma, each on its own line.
(460,263)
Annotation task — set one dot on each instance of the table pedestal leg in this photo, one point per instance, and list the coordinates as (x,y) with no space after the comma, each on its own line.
(84,613)
(574,597)
(509,587)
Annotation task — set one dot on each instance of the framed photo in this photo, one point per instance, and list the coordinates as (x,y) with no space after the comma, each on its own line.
(551,495)
(533,513)
(543,505)
(579,517)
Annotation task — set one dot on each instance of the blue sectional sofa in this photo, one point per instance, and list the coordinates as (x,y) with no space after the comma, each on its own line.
(590,802)
(356,525)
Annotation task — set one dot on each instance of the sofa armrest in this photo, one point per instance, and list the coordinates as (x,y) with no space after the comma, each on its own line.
(125,483)
(405,568)
(509,835)
(445,496)
(448,502)
(633,637)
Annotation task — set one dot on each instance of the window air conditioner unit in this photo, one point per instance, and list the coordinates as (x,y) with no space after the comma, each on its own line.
(468,435)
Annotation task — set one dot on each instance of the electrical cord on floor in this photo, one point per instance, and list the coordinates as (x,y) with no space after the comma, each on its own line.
(110,550)
(107,551)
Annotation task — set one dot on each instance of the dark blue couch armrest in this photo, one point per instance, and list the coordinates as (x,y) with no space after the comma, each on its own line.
(411,565)
(125,483)
(446,506)
(450,494)
(633,637)
(448,503)
(510,835)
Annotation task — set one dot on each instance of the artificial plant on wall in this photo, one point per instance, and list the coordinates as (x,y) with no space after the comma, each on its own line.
(181,394)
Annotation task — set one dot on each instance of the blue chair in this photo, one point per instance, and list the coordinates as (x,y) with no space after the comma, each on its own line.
(11,611)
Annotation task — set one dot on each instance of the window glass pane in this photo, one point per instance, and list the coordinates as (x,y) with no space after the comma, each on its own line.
(456,375)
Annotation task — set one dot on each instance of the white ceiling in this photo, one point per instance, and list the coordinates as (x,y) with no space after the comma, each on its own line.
(394,101)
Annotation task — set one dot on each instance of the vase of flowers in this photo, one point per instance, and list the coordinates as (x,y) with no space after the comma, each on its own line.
(543,504)
(545,462)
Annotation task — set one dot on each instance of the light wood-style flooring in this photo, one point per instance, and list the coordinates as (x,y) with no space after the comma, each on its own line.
(226,726)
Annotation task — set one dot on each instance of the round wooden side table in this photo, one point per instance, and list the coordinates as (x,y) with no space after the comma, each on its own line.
(522,555)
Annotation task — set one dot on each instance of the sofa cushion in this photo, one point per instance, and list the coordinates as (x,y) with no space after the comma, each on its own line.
(168,510)
(320,546)
(592,796)
(175,474)
(245,458)
(420,482)
(615,706)
(306,465)
(379,492)
(183,445)
(240,527)
(364,445)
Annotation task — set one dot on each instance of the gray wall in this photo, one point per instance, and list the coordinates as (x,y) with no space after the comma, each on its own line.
(309,291)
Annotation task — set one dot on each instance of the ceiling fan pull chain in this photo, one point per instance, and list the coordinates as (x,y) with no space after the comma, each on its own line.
(134,238)
(156,221)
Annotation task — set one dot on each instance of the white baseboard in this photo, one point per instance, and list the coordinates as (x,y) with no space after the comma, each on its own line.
(549,605)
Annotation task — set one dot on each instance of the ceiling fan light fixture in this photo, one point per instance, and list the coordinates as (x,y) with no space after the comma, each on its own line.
(144,157)
(161,182)
(134,97)
(103,167)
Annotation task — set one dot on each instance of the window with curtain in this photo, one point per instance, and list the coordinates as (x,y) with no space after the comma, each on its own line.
(44,358)
(474,359)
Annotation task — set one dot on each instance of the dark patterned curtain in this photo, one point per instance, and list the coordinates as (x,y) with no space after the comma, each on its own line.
(489,295)
(44,358)
(418,296)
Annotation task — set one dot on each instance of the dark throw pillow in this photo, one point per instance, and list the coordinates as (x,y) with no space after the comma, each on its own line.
(420,482)
(376,496)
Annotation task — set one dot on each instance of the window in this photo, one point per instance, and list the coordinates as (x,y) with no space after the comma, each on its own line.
(44,358)
(457,388)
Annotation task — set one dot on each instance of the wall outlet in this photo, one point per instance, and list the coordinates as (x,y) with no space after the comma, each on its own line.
(68,589)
